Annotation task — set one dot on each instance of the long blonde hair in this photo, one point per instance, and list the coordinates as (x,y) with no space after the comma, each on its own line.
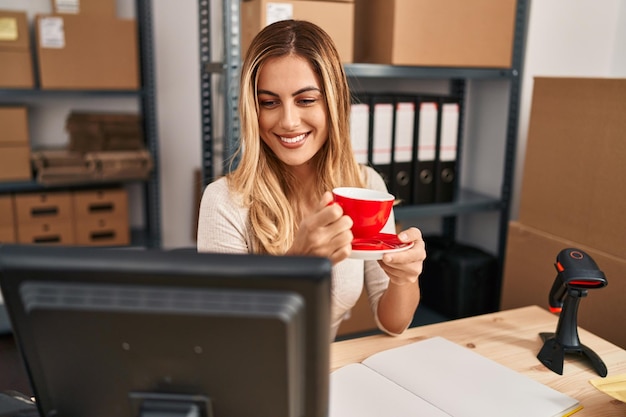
(261,179)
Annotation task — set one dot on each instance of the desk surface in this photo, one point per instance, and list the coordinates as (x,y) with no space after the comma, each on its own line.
(512,339)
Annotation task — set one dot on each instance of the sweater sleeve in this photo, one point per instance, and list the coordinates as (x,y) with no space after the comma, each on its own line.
(222,221)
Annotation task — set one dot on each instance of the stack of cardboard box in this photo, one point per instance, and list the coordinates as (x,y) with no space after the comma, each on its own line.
(83,217)
(572,197)
(451,33)
(45,218)
(102,146)
(101,217)
(16,70)
(84,45)
(14,144)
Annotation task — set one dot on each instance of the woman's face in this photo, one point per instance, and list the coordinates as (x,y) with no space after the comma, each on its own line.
(292,110)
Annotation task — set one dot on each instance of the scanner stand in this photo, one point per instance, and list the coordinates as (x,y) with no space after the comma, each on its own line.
(566,340)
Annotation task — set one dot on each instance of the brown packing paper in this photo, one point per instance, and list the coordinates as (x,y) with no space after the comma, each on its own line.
(614,385)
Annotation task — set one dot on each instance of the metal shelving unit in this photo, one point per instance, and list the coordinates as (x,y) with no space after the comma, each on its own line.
(150,234)
(466,201)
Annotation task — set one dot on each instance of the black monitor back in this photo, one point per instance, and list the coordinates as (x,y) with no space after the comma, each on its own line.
(125,332)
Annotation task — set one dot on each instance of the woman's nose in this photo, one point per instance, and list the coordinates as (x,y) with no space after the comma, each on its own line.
(290,117)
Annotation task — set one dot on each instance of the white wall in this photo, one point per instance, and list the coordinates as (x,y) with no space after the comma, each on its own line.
(178,112)
(582,38)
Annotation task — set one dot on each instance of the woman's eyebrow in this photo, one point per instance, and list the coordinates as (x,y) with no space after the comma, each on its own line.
(300,91)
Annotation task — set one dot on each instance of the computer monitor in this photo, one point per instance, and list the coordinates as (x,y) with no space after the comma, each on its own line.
(126,333)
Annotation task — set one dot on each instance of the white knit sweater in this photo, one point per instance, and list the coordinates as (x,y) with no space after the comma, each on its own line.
(223,227)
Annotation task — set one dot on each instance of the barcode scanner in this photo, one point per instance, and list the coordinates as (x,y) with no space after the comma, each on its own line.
(577,272)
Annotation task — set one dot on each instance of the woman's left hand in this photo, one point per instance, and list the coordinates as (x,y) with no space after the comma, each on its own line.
(405,267)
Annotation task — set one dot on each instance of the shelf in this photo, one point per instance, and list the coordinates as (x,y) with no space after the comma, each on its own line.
(34,186)
(389,71)
(20,94)
(145,98)
(467,202)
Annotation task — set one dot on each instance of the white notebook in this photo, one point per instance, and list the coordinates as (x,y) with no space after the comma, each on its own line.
(436,377)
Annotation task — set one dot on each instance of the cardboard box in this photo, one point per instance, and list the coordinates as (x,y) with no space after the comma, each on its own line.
(91,131)
(120,165)
(14,144)
(448,33)
(99,8)
(15,163)
(59,166)
(51,233)
(16,70)
(335,17)
(529,273)
(101,217)
(43,208)
(44,218)
(85,52)
(7,219)
(7,234)
(574,172)
(95,204)
(13,125)
(103,231)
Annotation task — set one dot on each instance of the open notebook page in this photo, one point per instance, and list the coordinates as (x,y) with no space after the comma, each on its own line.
(454,379)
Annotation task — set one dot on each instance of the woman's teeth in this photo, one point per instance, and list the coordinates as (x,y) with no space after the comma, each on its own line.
(294,139)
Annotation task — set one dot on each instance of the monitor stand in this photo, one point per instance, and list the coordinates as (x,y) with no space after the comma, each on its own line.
(154,404)
(566,339)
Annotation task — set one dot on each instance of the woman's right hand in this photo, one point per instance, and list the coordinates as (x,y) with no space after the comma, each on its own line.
(325,233)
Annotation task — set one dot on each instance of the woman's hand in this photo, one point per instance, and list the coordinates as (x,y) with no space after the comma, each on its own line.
(406,266)
(398,303)
(325,233)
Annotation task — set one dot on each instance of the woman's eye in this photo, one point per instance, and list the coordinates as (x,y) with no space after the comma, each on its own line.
(269,103)
(307,101)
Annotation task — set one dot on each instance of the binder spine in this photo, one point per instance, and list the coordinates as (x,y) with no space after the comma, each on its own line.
(412,141)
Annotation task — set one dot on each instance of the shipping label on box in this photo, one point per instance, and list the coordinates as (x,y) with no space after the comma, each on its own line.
(8,29)
(51,32)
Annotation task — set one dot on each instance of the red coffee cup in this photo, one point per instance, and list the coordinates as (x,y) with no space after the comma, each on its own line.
(368,209)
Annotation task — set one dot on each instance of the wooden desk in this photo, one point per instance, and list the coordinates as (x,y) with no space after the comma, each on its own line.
(512,339)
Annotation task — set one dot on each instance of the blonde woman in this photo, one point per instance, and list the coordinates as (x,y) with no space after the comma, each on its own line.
(294,148)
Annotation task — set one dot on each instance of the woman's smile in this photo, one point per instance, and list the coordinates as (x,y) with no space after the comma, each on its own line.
(293,140)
